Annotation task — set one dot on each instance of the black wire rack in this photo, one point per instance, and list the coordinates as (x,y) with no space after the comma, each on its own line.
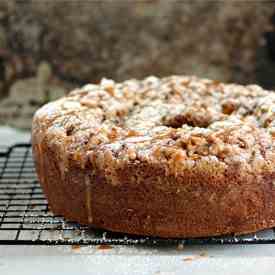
(26,219)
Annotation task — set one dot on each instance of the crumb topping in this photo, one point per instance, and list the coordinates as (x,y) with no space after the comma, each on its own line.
(176,120)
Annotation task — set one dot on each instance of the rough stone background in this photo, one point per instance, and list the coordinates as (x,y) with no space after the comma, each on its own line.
(49,47)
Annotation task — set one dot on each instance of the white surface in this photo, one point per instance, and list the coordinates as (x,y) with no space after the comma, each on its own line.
(119,260)
(119,265)
(231,260)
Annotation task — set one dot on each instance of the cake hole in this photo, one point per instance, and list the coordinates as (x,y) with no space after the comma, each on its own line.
(192,120)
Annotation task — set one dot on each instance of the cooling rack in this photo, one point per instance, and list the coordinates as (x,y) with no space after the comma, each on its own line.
(25,217)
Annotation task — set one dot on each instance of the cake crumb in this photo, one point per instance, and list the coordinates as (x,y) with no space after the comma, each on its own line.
(187,259)
(76,247)
(203,254)
(180,247)
(104,247)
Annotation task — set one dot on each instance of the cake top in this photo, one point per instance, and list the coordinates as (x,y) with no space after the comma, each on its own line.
(163,119)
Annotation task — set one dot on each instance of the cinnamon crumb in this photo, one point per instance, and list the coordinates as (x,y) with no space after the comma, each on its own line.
(203,254)
(187,259)
(180,247)
(132,133)
(196,257)
(104,247)
(76,247)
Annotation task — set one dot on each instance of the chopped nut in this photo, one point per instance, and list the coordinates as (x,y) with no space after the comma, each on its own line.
(131,154)
(89,102)
(179,156)
(132,133)
(113,134)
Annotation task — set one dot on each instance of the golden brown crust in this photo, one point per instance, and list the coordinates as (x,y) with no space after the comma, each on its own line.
(171,157)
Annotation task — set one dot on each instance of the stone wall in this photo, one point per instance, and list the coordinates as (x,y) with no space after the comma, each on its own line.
(49,47)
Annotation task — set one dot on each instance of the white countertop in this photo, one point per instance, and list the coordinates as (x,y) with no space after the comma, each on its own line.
(231,260)
(119,260)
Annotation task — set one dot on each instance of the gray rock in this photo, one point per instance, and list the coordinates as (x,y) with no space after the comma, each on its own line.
(27,95)
(83,41)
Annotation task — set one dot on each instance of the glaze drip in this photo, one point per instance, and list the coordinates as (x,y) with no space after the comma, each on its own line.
(88,199)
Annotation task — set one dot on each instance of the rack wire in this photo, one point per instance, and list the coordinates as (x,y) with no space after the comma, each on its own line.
(25,217)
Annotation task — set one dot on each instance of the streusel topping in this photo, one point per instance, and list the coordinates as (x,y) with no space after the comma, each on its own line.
(174,120)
